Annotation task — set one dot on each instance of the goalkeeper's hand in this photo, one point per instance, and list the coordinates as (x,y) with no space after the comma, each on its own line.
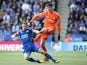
(59,37)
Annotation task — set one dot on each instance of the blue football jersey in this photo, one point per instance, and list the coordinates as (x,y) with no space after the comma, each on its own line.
(25,36)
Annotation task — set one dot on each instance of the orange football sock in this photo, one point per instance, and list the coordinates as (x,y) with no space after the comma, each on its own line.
(44,48)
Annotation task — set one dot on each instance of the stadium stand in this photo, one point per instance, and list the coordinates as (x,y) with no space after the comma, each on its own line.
(15,12)
(77,21)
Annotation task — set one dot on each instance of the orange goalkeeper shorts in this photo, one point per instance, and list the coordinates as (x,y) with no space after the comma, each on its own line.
(44,36)
(50,30)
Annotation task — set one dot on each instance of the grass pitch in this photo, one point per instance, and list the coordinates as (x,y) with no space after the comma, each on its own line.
(66,58)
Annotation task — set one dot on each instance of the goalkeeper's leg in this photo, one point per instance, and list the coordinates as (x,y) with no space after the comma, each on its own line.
(37,37)
(48,56)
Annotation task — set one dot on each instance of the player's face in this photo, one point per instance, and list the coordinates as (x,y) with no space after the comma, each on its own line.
(24,26)
(49,8)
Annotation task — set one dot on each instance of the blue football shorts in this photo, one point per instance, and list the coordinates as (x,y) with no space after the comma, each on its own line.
(29,49)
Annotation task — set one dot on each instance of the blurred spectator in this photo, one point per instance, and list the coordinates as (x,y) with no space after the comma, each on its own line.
(4,5)
(36,6)
(77,21)
(9,2)
(9,9)
(78,2)
(26,7)
(15,28)
(2,12)
(82,28)
(1,19)
(8,35)
(71,18)
(1,36)
(12,16)
(75,29)
(73,6)
(53,4)
(35,11)
(85,38)
(22,18)
(70,27)
(38,25)
(29,16)
(68,38)
(6,19)
(21,2)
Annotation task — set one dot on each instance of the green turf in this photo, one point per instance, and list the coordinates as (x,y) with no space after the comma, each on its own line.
(66,58)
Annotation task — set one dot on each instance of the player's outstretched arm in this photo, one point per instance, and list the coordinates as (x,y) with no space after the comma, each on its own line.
(36,31)
(14,36)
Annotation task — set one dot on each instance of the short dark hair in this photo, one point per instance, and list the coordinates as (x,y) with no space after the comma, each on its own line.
(49,4)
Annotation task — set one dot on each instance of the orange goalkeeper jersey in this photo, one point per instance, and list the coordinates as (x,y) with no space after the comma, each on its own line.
(50,19)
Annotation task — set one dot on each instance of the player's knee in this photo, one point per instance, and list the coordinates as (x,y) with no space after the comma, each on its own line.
(44,30)
(26,57)
(42,51)
(43,43)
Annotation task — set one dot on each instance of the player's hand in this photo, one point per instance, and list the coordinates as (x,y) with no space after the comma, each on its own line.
(30,24)
(59,37)
(43,31)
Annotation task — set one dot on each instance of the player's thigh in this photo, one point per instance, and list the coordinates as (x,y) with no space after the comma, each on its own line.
(35,48)
(42,41)
(49,29)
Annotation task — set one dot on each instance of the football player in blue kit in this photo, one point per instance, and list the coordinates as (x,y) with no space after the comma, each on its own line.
(28,46)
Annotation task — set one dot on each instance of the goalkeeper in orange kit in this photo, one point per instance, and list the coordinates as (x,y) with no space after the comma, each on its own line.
(51,18)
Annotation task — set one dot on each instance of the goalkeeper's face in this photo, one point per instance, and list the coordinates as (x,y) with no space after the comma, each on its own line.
(49,8)
(24,26)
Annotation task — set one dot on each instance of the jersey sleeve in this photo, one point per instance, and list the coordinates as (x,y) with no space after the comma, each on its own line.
(30,29)
(40,15)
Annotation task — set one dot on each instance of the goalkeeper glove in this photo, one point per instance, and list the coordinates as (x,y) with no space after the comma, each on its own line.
(59,36)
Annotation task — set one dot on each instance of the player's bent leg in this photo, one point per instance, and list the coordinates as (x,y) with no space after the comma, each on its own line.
(37,37)
(44,30)
(44,48)
(48,56)
(43,44)
(28,58)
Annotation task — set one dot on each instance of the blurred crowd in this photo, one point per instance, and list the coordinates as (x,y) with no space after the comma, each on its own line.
(77,20)
(14,12)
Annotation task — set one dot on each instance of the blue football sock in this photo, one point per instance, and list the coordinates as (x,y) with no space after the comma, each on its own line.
(49,57)
(32,60)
